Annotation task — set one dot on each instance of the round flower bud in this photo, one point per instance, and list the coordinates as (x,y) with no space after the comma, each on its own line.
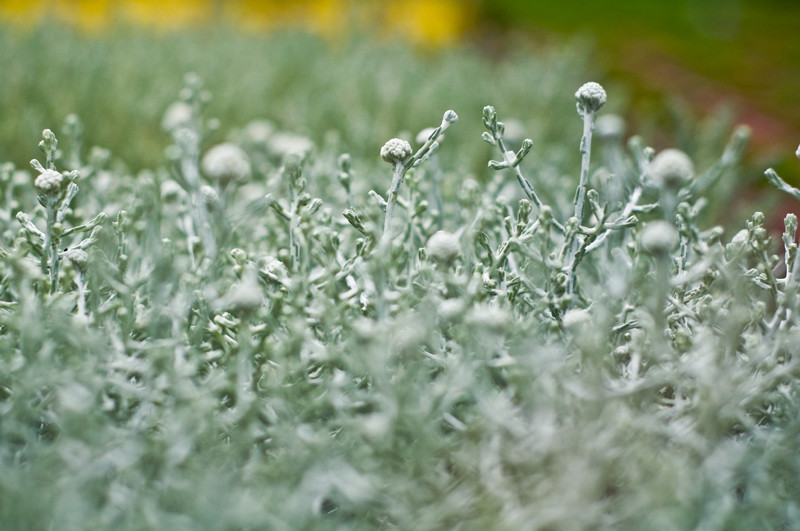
(226,162)
(425,134)
(591,96)
(576,318)
(179,114)
(671,168)
(658,238)
(20,177)
(282,143)
(489,317)
(610,127)
(450,117)
(171,191)
(396,151)
(259,131)
(443,246)
(450,309)
(49,181)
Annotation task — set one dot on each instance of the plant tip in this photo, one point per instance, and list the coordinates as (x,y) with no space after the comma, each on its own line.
(610,127)
(49,181)
(671,168)
(396,151)
(591,96)
(226,162)
(443,246)
(658,238)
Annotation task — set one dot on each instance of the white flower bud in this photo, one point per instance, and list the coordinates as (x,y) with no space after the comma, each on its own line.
(171,191)
(282,144)
(658,238)
(591,96)
(797,153)
(450,309)
(443,246)
(259,131)
(737,244)
(49,181)
(20,178)
(396,150)
(450,117)
(489,317)
(425,134)
(213,124)
(226,162)
(671,168)
(575,318)
(179,114)
(610,127)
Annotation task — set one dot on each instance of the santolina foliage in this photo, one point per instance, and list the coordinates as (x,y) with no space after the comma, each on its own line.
(260,340)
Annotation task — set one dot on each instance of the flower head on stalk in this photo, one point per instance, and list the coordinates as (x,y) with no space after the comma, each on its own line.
(591,97)
(396,151)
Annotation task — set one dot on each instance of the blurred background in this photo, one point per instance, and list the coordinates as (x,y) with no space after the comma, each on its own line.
(745,53)
(670,58)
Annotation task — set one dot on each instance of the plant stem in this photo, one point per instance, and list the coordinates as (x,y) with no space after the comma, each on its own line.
(580,200)
(191,174)
(80,281)
(51,246)
(660,296)
(397,180)
(524,183)
(586,153)
(294,237)
(626,212)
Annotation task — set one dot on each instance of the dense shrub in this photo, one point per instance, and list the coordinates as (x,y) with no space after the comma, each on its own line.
(255,334)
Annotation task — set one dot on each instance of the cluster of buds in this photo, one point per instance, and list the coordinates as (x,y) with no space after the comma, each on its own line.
(396,151)
(49,182)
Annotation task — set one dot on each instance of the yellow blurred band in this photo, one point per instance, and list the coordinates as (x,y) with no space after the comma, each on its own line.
(423,22)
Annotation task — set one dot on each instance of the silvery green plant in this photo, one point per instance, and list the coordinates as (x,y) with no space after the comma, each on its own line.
(495,136)
(492,362)
(398,153)
(55,193)
(183,121)
(590,98)
(579,237)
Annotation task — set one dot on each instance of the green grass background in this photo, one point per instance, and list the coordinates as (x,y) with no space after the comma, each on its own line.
(740,54)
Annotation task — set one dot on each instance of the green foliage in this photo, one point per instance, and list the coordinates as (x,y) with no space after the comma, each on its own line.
(747,45)
(246,346)
(354,93)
